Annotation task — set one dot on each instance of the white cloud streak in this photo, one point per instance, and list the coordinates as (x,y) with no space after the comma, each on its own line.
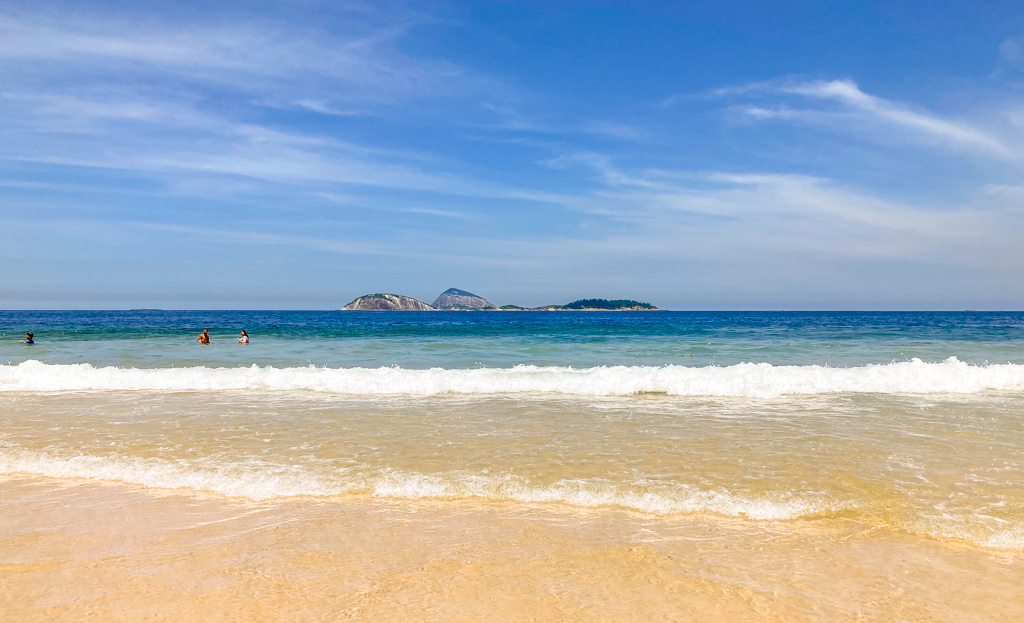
(790,214)
(955,133)
(1012,51)
(856,111)
(299,65)
(348,247)
(148,95)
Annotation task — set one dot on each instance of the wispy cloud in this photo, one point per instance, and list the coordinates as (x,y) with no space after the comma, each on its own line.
(180,100)
(325,108)
(275,163)
(855,110)
(956,133)
(791,213)
(349,247)
(296,64)
(1012,51)
(619,131)
(436,212)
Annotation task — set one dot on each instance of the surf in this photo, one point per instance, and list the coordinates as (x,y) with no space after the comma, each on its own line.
(753,380)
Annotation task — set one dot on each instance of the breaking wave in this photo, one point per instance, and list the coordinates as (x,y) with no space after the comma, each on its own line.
(761,380)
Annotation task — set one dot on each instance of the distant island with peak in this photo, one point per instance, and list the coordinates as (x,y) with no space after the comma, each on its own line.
(454,299)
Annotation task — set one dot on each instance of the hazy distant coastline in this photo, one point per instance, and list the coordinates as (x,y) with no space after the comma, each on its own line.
(454,299)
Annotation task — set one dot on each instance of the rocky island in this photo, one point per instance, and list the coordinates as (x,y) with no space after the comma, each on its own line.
(387,302)
(454,299)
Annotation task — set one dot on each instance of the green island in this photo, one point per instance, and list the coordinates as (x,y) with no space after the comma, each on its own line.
(591,305)
(605,304)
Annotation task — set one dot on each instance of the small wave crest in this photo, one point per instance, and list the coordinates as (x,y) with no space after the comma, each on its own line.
(261,481)
(759,380)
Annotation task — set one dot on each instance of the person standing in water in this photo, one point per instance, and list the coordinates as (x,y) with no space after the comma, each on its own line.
(28,338)
(244,339)
(204,338)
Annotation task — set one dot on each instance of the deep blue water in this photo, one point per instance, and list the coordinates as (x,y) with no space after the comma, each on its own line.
(501,339)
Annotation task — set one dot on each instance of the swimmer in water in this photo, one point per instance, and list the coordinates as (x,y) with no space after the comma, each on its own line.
(244,339)
(28,338)
(204,338)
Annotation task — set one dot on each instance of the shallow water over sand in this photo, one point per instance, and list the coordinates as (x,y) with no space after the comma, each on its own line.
(949,467)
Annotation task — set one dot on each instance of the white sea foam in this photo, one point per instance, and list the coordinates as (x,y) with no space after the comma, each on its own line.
(745,379)
(261,481)
(1012,538)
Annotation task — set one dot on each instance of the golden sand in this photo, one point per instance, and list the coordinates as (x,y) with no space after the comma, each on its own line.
(79,550)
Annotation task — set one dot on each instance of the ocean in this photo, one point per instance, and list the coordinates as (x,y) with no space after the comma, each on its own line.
(778,440)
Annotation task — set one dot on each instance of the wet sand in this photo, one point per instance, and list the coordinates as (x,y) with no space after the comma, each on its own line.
(72,550)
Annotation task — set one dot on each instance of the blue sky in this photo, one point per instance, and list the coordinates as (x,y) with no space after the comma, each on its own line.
(297,154)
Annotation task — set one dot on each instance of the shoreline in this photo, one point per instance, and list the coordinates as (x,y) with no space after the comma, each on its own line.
(564,509)
(211,558)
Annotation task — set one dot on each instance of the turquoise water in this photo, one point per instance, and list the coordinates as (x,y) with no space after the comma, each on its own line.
(455,340)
